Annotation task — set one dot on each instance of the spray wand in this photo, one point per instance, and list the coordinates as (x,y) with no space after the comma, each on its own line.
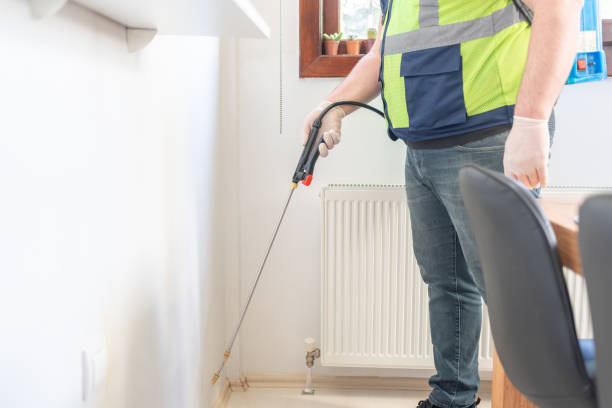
(303,173)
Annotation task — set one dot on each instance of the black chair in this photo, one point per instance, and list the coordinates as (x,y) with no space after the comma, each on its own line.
(529,307)
(596,253)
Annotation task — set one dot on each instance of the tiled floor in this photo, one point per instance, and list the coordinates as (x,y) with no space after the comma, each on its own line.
(325,398)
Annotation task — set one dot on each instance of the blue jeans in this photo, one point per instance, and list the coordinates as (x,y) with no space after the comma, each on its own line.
(447,255)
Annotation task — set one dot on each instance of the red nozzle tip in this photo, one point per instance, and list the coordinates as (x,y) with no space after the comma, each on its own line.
(308,180)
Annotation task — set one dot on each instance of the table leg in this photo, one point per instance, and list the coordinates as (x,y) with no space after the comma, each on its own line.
(504,394)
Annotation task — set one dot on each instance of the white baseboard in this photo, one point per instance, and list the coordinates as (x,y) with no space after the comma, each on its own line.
(326,382)
(239,384)
(337,382)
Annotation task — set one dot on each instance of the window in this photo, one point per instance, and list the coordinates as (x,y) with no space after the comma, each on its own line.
(330,16)
(359,16)
(605,9)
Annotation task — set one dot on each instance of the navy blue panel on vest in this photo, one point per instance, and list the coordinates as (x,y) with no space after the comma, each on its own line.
(434,87)
(383,6)
(431,61)
(496,117)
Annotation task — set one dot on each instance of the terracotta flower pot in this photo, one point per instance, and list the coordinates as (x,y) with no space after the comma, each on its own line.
(331,47)
(352,47)
(367,45)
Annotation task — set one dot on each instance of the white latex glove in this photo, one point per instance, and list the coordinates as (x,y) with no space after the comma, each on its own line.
(527,149)
(330,127)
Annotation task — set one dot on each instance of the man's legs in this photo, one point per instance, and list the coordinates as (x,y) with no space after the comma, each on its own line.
(447,254)
(454,300)
(443,168)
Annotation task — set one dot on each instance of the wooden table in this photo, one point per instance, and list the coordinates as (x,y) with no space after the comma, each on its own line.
(562,215)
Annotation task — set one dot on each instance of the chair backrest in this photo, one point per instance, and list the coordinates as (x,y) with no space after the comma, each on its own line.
(596,254)
(530,311)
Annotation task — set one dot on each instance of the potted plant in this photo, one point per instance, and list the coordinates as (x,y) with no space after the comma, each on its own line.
(331,43)
(372,34)
(352,45)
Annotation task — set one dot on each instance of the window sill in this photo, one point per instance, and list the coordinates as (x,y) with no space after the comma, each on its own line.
(329,66)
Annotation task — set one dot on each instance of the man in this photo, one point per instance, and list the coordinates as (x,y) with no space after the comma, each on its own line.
(462,81)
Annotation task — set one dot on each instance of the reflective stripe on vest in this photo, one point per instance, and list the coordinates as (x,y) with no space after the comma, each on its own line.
(437,36)
(451,66)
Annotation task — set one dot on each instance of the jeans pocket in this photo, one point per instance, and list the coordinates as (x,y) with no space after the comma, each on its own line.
(434,87)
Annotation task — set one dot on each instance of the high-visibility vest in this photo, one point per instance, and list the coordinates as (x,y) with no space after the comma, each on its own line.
(450,67)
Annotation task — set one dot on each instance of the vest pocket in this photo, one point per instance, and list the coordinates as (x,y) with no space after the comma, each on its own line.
(434,87)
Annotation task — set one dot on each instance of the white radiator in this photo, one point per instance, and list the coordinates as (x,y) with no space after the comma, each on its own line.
(374,303)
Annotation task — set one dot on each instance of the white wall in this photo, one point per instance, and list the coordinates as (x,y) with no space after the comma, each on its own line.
(287,307)
(580,153)
(113,212)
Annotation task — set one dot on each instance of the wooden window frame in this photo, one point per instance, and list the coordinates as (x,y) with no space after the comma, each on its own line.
(317,17)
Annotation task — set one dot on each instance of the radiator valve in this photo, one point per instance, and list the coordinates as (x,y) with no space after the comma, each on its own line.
(312,353)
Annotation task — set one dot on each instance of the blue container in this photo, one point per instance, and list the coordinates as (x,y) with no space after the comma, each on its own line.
(590,62)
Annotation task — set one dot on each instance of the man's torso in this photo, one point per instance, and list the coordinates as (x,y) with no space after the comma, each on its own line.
(450,68)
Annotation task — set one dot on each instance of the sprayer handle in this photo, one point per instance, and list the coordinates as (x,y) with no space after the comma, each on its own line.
(310,154)
(300,171)
(310,164)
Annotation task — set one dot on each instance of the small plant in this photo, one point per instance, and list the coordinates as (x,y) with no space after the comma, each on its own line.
(352,45)
(331,43)
(333,37)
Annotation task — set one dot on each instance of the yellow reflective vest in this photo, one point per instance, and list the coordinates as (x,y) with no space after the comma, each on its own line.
(450,67)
